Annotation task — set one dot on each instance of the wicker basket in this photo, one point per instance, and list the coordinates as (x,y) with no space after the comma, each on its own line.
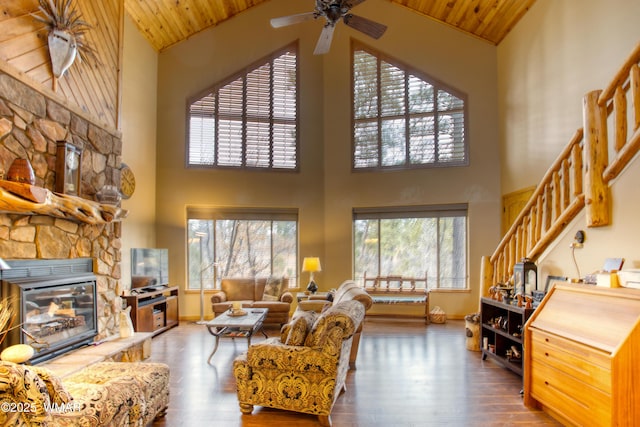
(437,315)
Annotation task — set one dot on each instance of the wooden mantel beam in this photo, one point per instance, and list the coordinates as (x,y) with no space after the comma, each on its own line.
(26,199)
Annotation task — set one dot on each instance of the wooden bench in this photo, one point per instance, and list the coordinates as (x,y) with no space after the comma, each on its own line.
(398,296)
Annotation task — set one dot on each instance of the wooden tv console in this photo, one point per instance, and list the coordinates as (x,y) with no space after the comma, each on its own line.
(154,311)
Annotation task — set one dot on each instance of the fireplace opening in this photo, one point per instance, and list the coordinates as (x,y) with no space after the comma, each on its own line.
(55,313)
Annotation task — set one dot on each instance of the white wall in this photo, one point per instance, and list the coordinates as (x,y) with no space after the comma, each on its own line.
(139,95)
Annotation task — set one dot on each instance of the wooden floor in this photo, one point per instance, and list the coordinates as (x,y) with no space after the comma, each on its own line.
(408,374)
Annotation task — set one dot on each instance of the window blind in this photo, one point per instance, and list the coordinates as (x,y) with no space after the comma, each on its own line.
(251,119)
(417,211)
(402,118)
(221,213)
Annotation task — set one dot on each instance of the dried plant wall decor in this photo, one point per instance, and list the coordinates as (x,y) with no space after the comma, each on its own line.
(66,36)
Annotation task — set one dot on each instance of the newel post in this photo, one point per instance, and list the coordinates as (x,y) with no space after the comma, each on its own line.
(486,276)
(597,197)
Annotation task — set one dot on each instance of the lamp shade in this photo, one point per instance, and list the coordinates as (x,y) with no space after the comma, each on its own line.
(311,264)
(4,265)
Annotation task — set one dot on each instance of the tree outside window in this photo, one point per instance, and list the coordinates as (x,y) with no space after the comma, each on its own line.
(431,243)
(219,248)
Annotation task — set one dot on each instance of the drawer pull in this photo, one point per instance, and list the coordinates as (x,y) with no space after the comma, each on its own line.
(546,383)
(546,354)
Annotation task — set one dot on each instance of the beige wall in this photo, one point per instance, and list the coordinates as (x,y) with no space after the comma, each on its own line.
(557,53)
(326,190)
(560,51)
(140,63)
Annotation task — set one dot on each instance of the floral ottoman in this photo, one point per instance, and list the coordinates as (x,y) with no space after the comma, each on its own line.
(103,394)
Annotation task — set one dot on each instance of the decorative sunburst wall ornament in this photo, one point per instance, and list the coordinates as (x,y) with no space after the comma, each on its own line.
(66,35)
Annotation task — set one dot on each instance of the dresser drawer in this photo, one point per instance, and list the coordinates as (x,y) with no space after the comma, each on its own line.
(573,399)
(585,364)
(158,320)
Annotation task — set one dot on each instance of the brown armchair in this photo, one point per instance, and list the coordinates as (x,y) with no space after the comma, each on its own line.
(304,378)
(348,290)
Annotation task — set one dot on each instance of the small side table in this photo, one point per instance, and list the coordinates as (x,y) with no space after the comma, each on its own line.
(303,296)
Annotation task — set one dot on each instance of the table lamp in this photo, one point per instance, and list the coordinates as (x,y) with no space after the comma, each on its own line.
(311,264)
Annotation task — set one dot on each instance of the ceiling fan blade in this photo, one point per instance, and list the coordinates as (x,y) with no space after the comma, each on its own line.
(283,21)
(324,42)
(364,25)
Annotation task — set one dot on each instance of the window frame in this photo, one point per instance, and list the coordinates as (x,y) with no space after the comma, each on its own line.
(247,214)
(418,211)
(437,85)
(241,74)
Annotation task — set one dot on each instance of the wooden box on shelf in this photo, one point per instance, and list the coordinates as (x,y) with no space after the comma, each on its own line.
(502,328)
(581,364)
(154,311)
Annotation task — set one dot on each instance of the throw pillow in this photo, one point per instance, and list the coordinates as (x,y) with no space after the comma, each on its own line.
(273,289)
(318,328)
(295,332)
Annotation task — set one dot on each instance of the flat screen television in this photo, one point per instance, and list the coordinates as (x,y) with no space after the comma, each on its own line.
(149,268)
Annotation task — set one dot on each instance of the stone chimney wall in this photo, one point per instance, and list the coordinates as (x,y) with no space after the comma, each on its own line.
(30,125)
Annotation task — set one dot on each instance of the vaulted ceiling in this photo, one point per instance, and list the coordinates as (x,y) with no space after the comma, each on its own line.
(167,22)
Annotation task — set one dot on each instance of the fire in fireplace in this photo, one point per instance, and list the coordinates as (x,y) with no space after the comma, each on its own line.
(56,305)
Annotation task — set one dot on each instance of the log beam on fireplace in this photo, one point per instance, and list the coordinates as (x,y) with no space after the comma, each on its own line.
(58,205)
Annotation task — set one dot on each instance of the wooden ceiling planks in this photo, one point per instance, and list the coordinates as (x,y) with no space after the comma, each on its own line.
(490,20)
(167,22)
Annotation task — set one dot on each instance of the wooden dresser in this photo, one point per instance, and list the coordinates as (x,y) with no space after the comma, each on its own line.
(582,356)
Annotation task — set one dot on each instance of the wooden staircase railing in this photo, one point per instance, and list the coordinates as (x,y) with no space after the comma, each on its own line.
(579,179)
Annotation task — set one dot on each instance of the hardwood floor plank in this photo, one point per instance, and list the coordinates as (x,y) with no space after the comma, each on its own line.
(408,374)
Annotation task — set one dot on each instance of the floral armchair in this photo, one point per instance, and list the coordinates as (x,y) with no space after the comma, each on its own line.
(348,290)
(305,369)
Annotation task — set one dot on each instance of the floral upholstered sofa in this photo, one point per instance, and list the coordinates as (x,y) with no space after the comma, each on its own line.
(102,394)
(268,293)
(305,369)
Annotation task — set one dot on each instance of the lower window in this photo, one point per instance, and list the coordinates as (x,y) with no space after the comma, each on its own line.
(412,241)
(240,243)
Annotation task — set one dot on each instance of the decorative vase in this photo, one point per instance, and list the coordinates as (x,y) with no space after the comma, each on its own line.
(312,287)
(109,195)
(21,171)
(62,50)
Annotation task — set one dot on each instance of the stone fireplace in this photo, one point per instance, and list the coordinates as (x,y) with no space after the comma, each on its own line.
(32,121)
(55,305)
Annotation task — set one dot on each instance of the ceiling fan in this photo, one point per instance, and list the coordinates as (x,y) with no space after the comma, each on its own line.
(332,11)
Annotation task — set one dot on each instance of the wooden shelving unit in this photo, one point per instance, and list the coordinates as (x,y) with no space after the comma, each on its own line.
(502,326)
(154,311)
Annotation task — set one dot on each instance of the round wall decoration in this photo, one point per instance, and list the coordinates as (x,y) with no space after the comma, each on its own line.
(127,181)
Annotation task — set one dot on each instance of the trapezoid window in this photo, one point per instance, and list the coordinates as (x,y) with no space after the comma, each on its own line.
(250,120)
(404,119)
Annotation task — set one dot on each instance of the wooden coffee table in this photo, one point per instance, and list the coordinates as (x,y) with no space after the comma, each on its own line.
(228,326)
